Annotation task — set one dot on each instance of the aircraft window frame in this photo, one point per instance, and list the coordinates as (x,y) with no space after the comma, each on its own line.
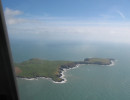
(8,85)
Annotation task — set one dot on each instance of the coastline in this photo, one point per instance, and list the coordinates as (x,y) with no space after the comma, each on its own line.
(112,63)
(30,79)
(63,69)
(62,76)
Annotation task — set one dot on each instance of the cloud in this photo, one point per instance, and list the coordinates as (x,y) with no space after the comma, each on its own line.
(109,33)
(49,29)
(121,14)
(11,16)
(10,12)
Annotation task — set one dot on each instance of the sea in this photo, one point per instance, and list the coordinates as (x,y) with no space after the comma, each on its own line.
(86,82)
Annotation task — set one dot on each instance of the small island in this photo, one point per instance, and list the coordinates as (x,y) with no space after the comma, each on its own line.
(35,67)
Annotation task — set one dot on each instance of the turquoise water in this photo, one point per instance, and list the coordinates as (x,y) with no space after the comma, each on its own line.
(88,82)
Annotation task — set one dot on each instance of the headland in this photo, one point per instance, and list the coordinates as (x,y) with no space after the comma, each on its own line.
(35,67)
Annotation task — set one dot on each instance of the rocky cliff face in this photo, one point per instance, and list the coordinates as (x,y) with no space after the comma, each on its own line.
(67,66)
(98,61)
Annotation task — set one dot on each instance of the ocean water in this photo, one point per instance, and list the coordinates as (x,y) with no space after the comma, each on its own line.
(87,82)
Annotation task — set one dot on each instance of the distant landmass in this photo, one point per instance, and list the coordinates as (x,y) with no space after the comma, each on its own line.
(35,67)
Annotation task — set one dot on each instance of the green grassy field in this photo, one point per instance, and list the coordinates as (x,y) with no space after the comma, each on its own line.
(100,61)
(40,68)
(34,68)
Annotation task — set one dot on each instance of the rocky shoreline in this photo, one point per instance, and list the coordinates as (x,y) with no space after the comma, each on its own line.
(86,61)
(60,76)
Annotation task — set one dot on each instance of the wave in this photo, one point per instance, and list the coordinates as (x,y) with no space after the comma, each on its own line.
(63,75)
(30,79)
(112,63)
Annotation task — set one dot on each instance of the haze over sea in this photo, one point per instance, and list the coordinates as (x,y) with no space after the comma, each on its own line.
(87,82)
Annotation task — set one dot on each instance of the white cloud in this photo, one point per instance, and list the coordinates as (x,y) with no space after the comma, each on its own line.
(117,34)
(11,16)
(66,30)
(10,12)
(121,14)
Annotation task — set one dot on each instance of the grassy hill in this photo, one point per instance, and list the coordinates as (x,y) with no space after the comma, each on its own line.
(99,61)
(34,68)
(40,68)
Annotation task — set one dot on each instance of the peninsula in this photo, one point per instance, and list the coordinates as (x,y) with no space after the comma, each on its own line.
(34,68)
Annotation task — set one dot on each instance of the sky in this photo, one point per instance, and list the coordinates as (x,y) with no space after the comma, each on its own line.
(68,20)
